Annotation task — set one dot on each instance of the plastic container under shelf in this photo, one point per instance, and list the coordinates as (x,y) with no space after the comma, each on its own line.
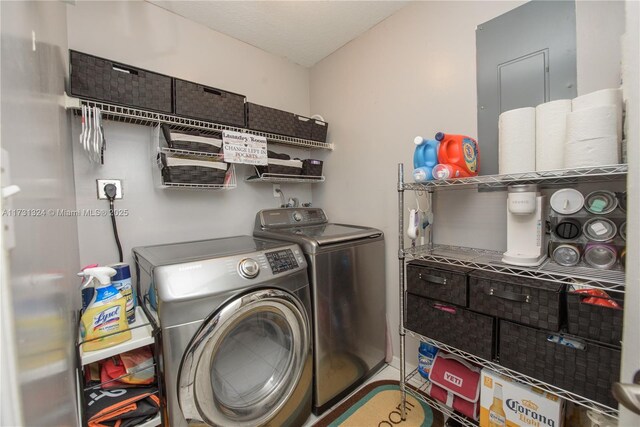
(141,335)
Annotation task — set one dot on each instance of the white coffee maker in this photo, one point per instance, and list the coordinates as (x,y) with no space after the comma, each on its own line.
(526,226)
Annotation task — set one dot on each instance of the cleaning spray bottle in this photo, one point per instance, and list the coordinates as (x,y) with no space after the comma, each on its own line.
(425,157)
(104,322)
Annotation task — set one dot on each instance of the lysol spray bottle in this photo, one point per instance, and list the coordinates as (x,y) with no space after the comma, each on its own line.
(104,322)
(497,416)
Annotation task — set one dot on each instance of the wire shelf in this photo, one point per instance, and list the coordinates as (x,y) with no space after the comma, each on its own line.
(414,379)
(151,118)
(608,280)
(524,379)
(552,177)
(276,177)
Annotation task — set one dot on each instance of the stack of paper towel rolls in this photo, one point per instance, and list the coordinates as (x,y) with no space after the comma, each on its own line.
(594,130)
(582,132)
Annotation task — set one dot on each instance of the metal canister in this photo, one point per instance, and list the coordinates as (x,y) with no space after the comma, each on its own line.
(623,257)
(600,229)
(623,231)
(568,229)
(622,200)
(600,202)
(122,282)
(567,255)
(600,256)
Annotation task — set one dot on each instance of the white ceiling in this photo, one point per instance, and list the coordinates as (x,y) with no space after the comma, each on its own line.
(302,31)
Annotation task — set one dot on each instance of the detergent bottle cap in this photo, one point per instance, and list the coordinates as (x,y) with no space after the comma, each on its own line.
(418,140)
(439,136)
(101,274)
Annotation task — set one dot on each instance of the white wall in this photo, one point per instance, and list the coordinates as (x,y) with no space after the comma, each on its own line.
(147,36)
(598,52)
(413,74)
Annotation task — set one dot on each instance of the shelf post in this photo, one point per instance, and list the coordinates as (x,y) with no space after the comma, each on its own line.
(403,391)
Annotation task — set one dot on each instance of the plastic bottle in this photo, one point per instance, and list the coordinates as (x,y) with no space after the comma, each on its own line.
(447,171)
(425,157)
(104,322)
(122,282)
(426,354)
(459,150)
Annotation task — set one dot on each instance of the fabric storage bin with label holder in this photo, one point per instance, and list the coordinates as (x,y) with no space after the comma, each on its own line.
(596,322)
(208,103)
(271,120)
(319,130)
(191,141)
(451,325)
(281,167)
(188,170)
(439,282)
(104,80)
(302,127)
(589,372)
(530,301)
(312,167)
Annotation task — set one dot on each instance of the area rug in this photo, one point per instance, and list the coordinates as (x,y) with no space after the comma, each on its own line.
(378,404)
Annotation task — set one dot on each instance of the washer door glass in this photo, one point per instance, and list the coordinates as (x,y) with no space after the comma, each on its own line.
(244,363)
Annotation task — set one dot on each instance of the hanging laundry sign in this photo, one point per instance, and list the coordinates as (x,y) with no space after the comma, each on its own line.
(245,148)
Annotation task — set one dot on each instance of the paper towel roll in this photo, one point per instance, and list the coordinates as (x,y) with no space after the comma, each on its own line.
(551,131)
(517,141)
(599,98)
(589,123)
(591,152)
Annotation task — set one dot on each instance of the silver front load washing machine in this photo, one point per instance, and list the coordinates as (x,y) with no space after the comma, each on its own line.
(347,277)
(235,330)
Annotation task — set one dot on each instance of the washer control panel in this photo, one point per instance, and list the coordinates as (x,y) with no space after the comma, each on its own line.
(281,261)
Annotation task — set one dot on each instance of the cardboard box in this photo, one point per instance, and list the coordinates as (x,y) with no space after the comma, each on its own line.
(515,404)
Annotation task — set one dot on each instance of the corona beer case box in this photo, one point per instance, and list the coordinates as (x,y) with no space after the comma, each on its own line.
(517,404)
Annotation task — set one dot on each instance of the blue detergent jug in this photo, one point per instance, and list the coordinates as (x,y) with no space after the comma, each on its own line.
(425,157)
(426,355)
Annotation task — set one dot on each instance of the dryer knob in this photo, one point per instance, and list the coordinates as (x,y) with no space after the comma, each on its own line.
(248,268)
(297,216)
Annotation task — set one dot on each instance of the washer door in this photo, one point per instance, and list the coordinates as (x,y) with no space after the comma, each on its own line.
(245,361)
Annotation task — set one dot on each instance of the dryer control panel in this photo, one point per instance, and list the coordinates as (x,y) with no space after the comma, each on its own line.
(282,260)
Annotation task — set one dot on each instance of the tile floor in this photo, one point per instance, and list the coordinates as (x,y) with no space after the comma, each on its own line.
(387,372)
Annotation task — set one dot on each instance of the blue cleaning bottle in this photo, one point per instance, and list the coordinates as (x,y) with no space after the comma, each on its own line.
(425,157)
(426,355)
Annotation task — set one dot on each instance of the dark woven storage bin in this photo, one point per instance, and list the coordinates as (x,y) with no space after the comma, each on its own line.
(208,103)
(589,372)
(530,301)
(312,167)
(319,130)
(596,322)
(293,168)
(302,127)
(192,141)
(439,282)
(465,330)
(105,80)
(191,174)
(267,119)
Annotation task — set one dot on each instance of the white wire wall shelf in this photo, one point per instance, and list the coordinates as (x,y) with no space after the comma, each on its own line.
(552,177)
(608,280)
(417,389)
(152,118)
(276,177)
(524,379)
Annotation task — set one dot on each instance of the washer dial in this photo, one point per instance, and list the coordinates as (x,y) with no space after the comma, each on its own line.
(297,216)
(248,268)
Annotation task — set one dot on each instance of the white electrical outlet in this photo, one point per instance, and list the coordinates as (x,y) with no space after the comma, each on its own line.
(101,184)
(276,190)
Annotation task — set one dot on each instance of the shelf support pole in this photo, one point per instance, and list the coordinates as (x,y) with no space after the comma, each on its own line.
(403,391)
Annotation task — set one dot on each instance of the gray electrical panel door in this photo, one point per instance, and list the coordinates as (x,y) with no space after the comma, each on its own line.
(524,57)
